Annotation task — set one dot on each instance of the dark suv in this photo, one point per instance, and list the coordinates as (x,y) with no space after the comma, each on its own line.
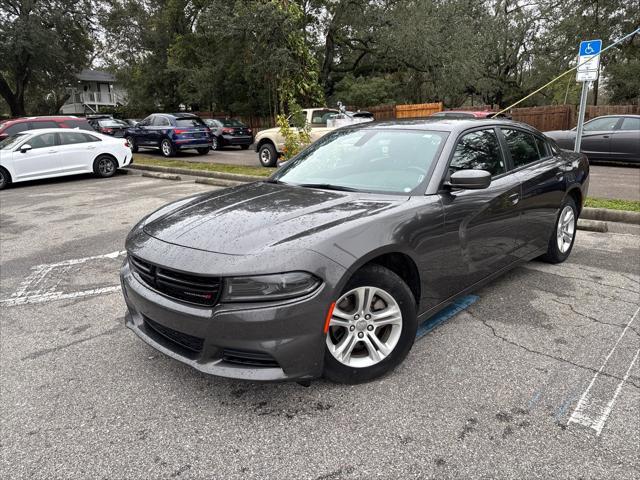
(17,125)
(229,131)
(170,132)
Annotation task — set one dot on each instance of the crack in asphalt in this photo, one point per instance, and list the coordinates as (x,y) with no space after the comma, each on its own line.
(594,319)
(548,355)
(637,292)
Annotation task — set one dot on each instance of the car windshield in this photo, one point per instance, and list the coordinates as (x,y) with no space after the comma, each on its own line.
(388,161)
(11,141)
(189,122)
(232,123)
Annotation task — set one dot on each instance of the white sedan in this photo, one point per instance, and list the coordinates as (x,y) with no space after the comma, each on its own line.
(54,152)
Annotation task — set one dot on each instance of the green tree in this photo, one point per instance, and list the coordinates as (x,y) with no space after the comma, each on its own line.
(44,44)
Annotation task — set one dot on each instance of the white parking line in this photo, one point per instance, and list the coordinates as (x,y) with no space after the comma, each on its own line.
(581,413)
(34,288)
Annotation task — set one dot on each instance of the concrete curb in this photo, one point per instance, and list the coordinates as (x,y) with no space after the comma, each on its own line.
(165,176)
(592,225)
(198,173)
(605,214)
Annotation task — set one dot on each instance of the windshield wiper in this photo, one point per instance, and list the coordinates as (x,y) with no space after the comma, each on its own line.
(327,186)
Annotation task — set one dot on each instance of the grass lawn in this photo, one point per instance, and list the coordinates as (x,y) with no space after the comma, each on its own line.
(142,159)
(630,205)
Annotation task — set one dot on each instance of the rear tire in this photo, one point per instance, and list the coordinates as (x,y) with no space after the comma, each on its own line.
(564,233)
(203,151)
(267,155)
(132,144)
(5,178)
(105,166)
(376,348)
(167,149)
(215,143)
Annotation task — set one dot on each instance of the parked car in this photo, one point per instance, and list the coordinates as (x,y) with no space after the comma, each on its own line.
(329,266)
(464,114)
(54,152)
(610,138)
(170,132)
(228,131)
(17,125)
(112,127)
(269,143)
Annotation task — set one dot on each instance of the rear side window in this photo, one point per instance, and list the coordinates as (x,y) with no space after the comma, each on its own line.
(630,124)
(189,122)
(522,147)
(319,117)
(479,150)
(70,138)
(42,141)
(16,128)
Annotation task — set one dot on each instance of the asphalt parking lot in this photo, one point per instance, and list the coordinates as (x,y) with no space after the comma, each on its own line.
(538,378)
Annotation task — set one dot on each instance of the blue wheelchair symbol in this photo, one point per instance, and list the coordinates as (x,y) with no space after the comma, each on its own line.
(589,49)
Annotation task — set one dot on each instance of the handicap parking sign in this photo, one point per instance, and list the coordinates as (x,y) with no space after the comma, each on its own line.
(590,47)
(589,60)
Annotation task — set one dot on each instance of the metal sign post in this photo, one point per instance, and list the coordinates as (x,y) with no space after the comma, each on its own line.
(588,69)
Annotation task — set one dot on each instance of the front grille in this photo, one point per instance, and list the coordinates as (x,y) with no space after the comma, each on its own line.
(249,359)
(185,287)
(189,342)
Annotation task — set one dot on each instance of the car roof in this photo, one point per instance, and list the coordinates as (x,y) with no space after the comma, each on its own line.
(54,130)
(625,115)
(40,118)
(441,124)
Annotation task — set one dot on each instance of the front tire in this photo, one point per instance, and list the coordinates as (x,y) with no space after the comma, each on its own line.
(215,143)
(372,328)
(202,151)
(5,178)
(268,155)
(564,233)
(105,166)
(166,148)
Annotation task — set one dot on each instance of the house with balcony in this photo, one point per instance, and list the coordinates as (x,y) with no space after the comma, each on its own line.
(94,90)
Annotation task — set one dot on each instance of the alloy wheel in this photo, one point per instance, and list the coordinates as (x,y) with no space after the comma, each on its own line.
(365,327)
(106,167)
(265,156)
(166,148)
(566,229)
(214,143)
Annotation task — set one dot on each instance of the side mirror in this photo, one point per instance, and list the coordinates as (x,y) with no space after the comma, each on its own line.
(25,148)
(470,179)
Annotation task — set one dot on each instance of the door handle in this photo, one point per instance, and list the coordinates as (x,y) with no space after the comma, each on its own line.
(515,198)
(51,151)
(605,136)
(91,148)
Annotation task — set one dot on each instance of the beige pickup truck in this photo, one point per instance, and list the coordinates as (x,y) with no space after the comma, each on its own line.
(269,143)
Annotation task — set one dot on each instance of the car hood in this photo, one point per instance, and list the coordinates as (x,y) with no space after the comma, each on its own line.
(258,216)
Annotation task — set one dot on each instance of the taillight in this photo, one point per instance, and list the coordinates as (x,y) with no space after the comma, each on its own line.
(127,144)
(249,130)
(179,131)
(227,130)
(106,130)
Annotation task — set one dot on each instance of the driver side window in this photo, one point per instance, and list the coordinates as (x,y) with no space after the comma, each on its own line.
(42,141)
(479,150)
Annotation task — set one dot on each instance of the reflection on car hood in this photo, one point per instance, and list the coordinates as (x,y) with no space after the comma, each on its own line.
(253,217)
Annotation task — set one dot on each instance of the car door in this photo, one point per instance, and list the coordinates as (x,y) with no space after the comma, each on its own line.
(141,131)
(77,151)
(596,137)
(625,141)
(542,176)
(41,160)
(158,130)
(480,225)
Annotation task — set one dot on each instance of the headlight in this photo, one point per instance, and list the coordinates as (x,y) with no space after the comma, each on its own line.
(269,287)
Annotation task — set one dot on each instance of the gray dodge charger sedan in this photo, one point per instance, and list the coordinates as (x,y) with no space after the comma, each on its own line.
(329,266)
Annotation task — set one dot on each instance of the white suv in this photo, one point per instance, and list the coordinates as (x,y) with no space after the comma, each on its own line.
(269,143)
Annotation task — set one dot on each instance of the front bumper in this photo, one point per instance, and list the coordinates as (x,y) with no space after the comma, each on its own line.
(290,333)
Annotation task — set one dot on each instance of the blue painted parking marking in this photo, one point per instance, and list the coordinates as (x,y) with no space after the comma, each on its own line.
(445,314)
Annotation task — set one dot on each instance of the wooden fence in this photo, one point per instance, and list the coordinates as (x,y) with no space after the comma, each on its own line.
(418,110)
(565,117)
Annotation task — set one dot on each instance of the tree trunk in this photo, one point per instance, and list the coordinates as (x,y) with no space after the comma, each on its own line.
(15,102)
